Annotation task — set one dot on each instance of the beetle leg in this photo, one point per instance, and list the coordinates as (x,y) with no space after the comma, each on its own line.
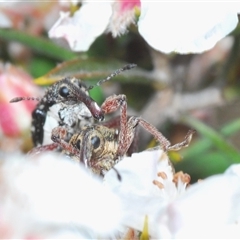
(40,149)
(164,143)
(113,103)
(125,138)
(58,135)
(184,143)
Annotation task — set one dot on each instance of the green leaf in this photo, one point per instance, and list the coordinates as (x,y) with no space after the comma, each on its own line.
(97,95)
(39,66)
(95,69)
(204,165)
(39,44)
(231,128)
(204,145)
(215,138)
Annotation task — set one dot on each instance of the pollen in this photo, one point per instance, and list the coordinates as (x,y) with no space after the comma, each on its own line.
(158,184)
(183,177)
(162,175)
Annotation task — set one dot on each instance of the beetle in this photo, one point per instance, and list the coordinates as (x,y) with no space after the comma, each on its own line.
(65,103)
(100,147)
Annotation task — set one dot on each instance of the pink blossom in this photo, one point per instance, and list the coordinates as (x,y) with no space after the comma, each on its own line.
(15,117)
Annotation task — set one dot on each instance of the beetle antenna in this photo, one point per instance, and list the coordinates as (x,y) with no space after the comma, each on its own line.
(18,99)
(117,72)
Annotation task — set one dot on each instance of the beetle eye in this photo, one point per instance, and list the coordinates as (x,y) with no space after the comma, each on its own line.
(95,142)
(64,91)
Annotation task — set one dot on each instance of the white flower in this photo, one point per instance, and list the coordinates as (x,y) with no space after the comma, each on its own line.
(50,197)
(209,209)
(204,210)
(185,27)
(182,27)
(146,187)
(84,27)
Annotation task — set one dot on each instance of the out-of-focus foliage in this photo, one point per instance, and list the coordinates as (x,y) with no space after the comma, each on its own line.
(212,152)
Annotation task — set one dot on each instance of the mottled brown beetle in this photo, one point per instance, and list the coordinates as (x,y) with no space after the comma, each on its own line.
(100,147)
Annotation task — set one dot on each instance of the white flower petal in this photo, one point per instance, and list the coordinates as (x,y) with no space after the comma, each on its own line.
(139,196)
(233,170)
(50,192)
(55,31)
(121,19)
(138,172)
(210,208)
(185,27)
(210,232)
(84,27)
(205,209)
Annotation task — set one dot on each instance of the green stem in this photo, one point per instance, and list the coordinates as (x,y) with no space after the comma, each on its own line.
(38,44)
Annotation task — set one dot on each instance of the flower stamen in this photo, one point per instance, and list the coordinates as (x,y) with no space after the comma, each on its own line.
(163,175)
(183,177)
(158,184)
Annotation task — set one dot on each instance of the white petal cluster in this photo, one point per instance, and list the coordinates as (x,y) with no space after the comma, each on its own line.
(181,27)
(51,197)
(208,209)
(185,27)
(84,27)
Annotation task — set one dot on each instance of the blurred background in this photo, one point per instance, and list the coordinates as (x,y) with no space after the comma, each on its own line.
(173,92)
